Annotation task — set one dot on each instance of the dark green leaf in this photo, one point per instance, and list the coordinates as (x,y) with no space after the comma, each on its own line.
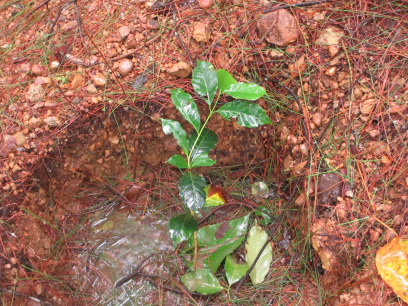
(178,161)
(202,281)
(233,270)
(247,114)
(182,227)
(214,260)
(202,160)
(225,79)
(245,91)
(175,128)
(186,106)
(207,237)
(205,81)
(192,192)
(201,146)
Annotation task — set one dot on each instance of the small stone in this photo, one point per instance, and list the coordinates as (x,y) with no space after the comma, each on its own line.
(278,28)
(39,70)
(131,43)
(54,65)
(13,260)
(125,67)
(124,31)
(331,71)
(52,121)
(77,82)
(152,24)
(288,163)
(91,89)
(43,80)
(10,143)
(34,122)
(180,70)
(114,139)
(20,139)
(317,118)
(35,92)
(201,32)
(301,199)
(38,289)
(99,79)
(205,4)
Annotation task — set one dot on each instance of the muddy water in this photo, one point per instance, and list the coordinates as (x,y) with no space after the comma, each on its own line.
(117,242)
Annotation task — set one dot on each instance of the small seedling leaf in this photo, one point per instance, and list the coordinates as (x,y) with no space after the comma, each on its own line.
(178,161)
(186,106)
(182,227)
(201,146)
(247,114)
(225,79)
(233,270)
(245,91)
(256,239)
(191,189)
(202,160)
(175,128)
(205,81)
(202,281)
(214,260)
(392,264)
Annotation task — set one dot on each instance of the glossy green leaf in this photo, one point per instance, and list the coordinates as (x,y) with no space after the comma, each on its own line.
(202,160)
(191,189)
(178,161)
(245,91)
(246,113)
(175,128)
(205,81)
(182,227)
(256,239)
(234,271)
(186,106)
(214,260)
(218,234)
(201,146)
(225,79)
(202,281)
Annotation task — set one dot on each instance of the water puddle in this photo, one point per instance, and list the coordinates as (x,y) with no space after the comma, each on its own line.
(117,242)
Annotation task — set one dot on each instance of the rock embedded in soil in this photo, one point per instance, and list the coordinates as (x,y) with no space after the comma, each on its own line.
(278,28)
(180,70)
(52,121)
(329,188)
(205,4)
(125,67)
(124,31)
(77,82)
(39,70)
(35,93)
(201,32)
(99,79)
(152,24)
(20,138)
(91,89)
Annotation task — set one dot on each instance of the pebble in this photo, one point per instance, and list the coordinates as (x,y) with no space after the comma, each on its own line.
(34,122)
(180,70)
(39,70)
(77,81)
(99,79)
(124,31)
(201,32)
(91,89)
(35,92)
(125,66)
(52,121)
(279,28)
(205,3)
(54,65)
